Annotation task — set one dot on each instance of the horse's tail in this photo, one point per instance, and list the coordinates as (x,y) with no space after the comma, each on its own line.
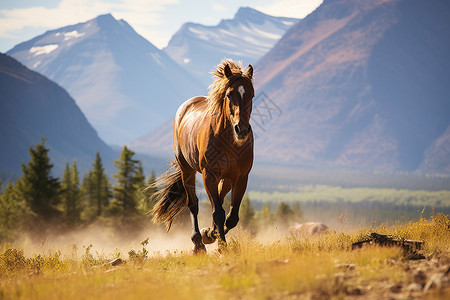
(171,198)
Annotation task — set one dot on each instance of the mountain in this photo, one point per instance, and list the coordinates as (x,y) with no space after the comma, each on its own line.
(437,156)
(32,107)
(356,85)
(361,84)
(158,143)
(247,37)
(124,85)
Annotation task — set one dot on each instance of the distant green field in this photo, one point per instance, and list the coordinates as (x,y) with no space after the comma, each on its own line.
(335,194)
(338,206)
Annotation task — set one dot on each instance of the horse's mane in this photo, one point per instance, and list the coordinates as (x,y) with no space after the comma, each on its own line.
(218,88)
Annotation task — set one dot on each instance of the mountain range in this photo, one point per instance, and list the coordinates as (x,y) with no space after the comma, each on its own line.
(123,84)
(356,84)
(246,37)
(33,107)
(361,84)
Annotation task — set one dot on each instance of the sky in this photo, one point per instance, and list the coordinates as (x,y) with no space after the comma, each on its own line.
(156,20)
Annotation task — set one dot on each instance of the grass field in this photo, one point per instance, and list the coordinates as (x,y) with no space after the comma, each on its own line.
(287,267)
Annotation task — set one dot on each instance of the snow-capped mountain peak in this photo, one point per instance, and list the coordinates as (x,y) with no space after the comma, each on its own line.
(116,76)
(247,37)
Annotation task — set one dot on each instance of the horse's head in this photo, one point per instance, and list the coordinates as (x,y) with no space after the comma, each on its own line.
(238,101)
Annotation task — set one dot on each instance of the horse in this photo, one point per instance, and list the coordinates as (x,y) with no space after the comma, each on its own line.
(212,135)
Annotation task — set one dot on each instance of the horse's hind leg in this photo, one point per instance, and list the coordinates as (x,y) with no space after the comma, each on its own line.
(188,177)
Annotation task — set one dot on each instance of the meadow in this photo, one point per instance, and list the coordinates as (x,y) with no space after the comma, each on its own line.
(286,266)
(355,206)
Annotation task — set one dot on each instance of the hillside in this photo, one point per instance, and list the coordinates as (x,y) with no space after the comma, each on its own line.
(354,85)
(31,107)
(361,85)
(123,84)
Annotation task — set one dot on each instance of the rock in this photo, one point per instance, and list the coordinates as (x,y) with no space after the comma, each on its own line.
(435,281)
(353,291)
(420,276)
(349,267)
(396,288)
(447,272)
(116,262)
(414,287)
(309,229)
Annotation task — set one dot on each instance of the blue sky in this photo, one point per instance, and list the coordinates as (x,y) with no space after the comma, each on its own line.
(156,20)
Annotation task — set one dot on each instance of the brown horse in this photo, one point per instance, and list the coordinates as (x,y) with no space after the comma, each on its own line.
(212,135)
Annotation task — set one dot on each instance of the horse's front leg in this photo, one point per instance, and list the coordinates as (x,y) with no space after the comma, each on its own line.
(237,192)
(208,234)
(211,187)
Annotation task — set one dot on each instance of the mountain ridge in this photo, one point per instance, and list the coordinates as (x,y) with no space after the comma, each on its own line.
(355,85)
(122,82)
(358,73)
(33,107)
(251,33)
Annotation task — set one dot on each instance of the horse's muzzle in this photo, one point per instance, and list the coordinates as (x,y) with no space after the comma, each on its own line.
(242,134)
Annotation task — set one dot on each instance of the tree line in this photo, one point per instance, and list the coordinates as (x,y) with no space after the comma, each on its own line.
(38,200)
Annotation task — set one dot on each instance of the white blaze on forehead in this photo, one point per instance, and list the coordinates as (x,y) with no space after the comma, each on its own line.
(241,91)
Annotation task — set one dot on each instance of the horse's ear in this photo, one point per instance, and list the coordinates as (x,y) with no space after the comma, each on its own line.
(249,71)
(227,71)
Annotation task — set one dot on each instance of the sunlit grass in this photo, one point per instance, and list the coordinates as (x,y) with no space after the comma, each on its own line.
(291,266)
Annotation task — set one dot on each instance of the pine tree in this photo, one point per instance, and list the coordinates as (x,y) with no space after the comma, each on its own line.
(145,193)
(97,186)
(149,191)
(128,179)
(70,194)
(37,186)
(284,214)
(246,212)
(14,213)
(139,180)
(265,216)
(298,212)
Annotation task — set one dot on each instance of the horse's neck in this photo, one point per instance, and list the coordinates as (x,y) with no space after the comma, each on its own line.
(220,122)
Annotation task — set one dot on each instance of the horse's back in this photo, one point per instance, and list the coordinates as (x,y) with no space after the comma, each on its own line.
(197,103)
(188,121)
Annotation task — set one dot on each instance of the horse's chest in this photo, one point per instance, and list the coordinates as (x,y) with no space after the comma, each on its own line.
(225,160)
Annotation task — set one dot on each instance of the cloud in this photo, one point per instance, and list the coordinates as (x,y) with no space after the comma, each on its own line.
(140,13)
(290,8)
(219,7)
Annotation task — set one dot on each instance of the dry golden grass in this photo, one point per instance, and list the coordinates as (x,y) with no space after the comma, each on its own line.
(323,267)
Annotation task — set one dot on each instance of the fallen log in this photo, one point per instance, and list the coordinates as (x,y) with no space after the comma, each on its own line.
(409,246)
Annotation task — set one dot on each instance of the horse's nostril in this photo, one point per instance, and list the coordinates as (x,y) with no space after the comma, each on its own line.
(237,129)
(249,129)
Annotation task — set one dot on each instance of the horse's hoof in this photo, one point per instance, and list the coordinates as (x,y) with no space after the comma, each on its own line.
(199,249)
(222,247)
(206,237)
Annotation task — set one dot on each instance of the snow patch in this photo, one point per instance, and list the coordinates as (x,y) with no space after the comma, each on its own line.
(204,35)
(43,49)
(36,64)
(288,23)
(72,35)
(158,59)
